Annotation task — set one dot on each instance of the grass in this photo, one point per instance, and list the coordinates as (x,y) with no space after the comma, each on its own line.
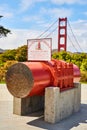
(2,82)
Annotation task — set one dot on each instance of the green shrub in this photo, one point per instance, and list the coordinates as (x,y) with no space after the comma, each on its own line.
(4,68)
(83,76)
(2,74)
(84,65)
(21,54)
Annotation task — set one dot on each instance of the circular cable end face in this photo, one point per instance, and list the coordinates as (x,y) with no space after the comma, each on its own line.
(19,80)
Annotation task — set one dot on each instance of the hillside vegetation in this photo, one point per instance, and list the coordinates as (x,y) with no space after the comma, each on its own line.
(10,57)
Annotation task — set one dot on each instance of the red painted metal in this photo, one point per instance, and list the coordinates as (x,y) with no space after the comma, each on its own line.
(76,73)
(56,73)
(53,73)
(41,75)
(62,34)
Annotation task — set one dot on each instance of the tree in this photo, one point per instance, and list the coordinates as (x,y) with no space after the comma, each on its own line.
(8,55)
(21,54)
(3,31)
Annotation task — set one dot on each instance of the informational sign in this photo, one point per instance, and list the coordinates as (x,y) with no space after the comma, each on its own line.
(39,49)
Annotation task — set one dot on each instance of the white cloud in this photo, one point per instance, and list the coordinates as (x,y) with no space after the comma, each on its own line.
(4,11)
(60,2)
(25,4)
(19,37)
(56,12)
(85,13)
(79,29)
(31,18)
(80,26)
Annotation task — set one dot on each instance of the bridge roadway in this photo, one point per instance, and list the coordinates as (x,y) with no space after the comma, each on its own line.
(35,121)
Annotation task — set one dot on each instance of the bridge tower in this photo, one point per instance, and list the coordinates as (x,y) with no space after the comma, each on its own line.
(62,34)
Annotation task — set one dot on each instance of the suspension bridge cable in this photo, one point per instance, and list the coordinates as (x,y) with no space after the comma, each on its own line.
(74,36)
(52,31)
(47,29)
(72,43)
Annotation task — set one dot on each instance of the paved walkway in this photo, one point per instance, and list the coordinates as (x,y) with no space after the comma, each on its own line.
(8,121)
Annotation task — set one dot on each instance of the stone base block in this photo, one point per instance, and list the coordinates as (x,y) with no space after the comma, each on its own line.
(27,105)
(59,105)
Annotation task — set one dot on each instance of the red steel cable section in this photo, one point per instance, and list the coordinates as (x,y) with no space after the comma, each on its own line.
(31,78)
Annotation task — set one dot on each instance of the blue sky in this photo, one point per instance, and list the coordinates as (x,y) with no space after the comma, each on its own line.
(29,18)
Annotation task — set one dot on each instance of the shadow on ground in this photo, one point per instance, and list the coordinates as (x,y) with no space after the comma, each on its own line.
(66,124)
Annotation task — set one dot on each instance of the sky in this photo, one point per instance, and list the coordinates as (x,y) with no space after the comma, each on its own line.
(27,19)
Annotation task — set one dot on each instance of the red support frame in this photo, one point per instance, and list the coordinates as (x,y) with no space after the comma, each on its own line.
(62,34)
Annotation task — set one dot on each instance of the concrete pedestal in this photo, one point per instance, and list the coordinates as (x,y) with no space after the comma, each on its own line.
(27,105)
(58,105)
(61,105)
